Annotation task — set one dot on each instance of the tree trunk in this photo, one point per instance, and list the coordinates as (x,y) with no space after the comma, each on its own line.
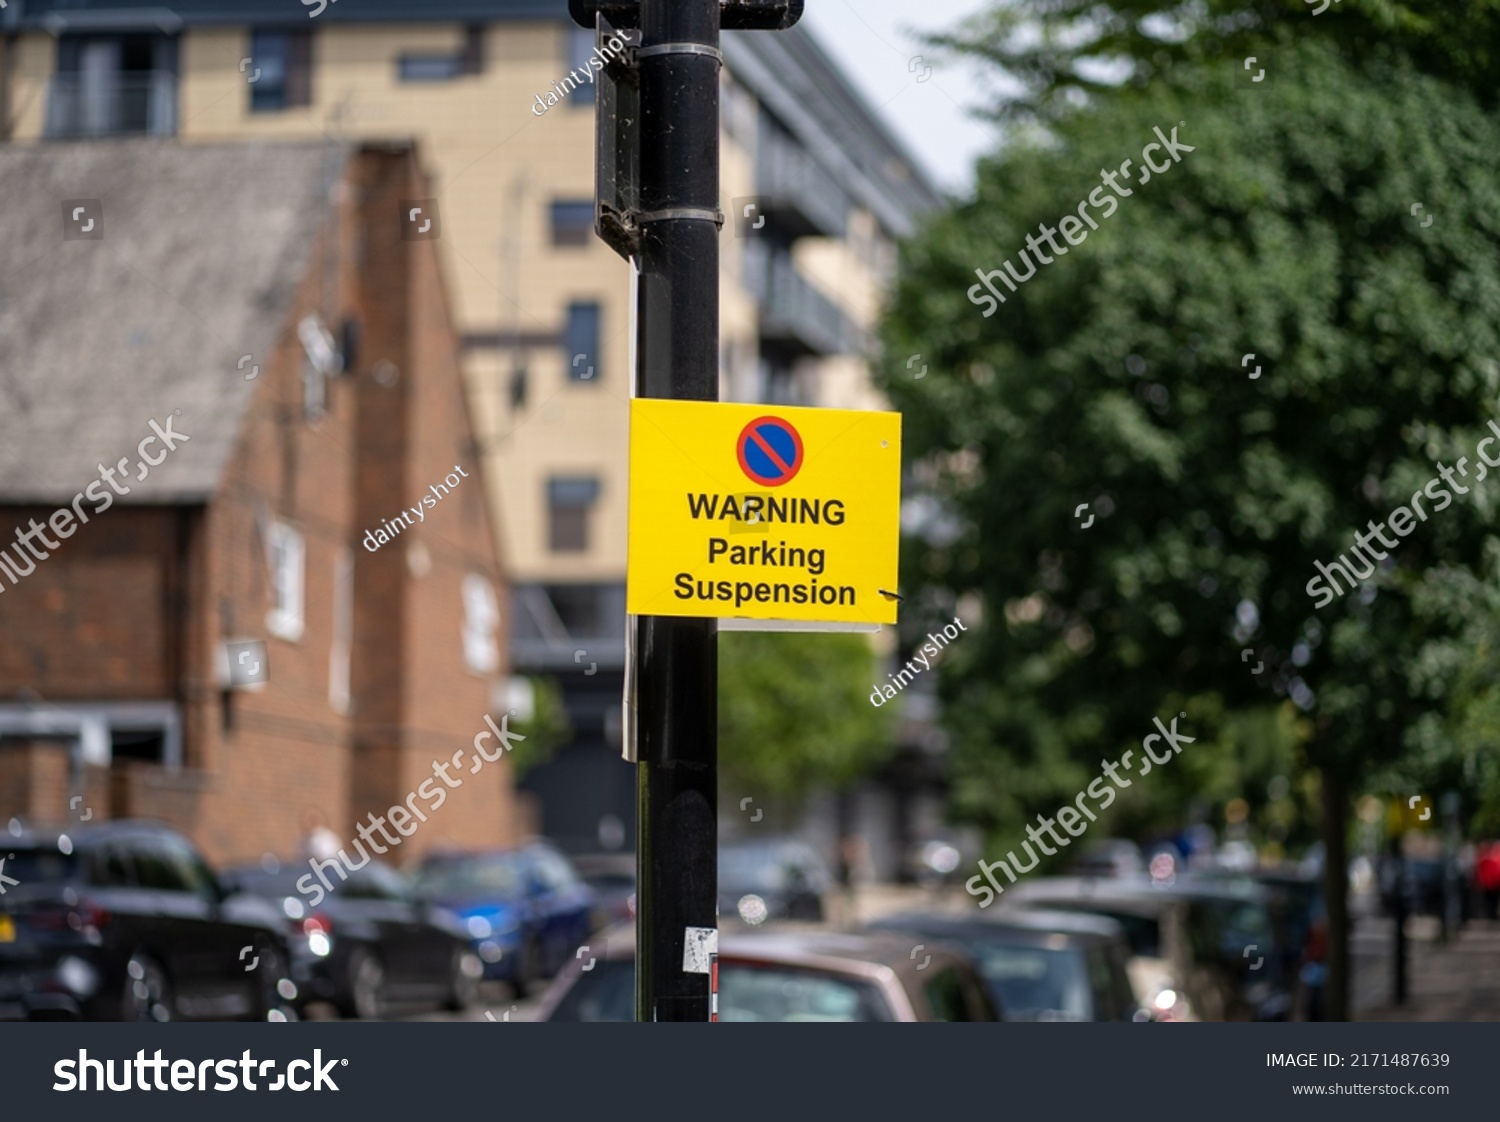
(1336,893)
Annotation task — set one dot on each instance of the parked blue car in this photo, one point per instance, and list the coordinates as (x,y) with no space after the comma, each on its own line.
(526,910)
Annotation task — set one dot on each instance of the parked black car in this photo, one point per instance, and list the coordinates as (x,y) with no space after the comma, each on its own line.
(1038,965)
(125,921)
(370,944)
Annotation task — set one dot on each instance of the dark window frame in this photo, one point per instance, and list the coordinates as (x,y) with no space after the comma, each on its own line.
(291,51)
(570,500)
(446,66)
(582,333)
(578,48)
(576,227)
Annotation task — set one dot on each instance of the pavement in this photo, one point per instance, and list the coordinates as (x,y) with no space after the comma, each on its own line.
(1454,981)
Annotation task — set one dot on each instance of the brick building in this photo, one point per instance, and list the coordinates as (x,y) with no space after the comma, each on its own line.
(267,307)
(542,306)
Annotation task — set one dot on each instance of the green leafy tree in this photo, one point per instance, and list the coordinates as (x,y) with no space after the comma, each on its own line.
(1063,52)
(794,712)
(1458,748)
(546,727)
(1116,377)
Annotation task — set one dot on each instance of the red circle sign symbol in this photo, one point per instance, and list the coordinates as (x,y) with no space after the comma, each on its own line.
(769,451)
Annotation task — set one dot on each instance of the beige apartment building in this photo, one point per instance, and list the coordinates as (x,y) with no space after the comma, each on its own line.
(815,191)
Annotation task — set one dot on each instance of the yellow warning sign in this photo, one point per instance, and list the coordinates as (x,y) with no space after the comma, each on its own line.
(763,511)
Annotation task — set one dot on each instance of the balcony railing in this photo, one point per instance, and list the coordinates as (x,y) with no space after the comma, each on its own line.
(802,198)
(129,102)
(797,319)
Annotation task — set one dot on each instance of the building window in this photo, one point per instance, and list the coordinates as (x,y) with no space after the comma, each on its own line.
(343,632)
(572,222)
(481,625)
(284,59)
(580,47)
(287,556)
(445,67)
(569,500)
(149,745)
(429,68)
(110,85)
(581,342)
(323,361)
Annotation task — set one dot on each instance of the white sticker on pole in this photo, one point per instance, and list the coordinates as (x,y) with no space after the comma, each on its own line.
(699,946)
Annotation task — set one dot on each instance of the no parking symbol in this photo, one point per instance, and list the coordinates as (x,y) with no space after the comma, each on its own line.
(770,451)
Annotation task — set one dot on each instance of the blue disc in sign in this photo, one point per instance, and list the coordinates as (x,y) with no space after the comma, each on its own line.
(770,451)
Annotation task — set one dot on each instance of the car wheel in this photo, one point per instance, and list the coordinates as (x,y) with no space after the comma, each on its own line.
(148,994)
(366,985)
(272,1001)
(466,971)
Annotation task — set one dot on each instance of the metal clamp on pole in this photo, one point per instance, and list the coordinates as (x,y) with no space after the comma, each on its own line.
(702,214)
(682,49)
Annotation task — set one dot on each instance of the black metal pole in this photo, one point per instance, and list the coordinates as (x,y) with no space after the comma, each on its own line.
(678,349)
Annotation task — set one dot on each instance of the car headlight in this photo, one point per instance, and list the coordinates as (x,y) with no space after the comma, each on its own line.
(479,927)
(319,943)
(78,976)
(752,909)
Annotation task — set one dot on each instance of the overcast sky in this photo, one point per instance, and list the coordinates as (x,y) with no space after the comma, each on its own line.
(874,41)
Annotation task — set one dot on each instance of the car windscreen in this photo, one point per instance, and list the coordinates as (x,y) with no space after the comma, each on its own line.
(769,867)
(39,866)
(270,885)
(495,875)
(773,993)
(605,993)
(746,993)
(611,882)
(751,867)
(1143,933)
(1241,924)
(1035,983)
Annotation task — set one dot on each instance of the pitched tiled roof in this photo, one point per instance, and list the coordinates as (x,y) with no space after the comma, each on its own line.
(202,250)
